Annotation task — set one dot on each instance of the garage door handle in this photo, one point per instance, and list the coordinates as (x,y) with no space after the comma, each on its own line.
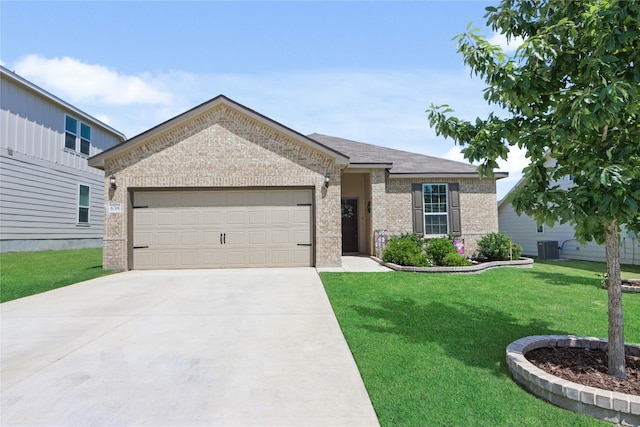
(304,244)
(141,247)
(223,238)
(220,238)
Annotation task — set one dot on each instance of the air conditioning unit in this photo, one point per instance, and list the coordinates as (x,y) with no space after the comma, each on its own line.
(548,249)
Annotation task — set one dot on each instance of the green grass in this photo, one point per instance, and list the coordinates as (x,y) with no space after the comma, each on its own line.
(431,347)
(28,273)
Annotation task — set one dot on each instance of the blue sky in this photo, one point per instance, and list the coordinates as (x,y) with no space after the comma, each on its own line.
(360,70)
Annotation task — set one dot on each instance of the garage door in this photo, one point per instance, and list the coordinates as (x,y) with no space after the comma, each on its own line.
(222,229)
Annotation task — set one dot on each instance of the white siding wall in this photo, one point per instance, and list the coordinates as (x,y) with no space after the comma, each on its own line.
(523,230)
(39,178)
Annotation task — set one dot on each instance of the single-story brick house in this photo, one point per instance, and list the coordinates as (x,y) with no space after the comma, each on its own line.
(223,186)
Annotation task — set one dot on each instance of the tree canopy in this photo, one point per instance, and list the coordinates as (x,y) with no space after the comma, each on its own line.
(571,93)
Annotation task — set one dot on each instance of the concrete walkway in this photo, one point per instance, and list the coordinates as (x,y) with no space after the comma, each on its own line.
(252,347)
(357,264)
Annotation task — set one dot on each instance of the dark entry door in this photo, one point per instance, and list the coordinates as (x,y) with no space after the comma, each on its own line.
(349,225)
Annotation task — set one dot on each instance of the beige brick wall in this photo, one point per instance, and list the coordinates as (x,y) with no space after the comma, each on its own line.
(478,207)
(223,148)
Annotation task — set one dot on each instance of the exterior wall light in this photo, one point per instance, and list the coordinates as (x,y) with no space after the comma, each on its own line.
(112,181)
(327,179)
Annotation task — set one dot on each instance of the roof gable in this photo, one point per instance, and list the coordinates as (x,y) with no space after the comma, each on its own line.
(98,160)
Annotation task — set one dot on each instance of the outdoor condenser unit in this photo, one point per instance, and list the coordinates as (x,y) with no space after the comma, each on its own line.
(548,249)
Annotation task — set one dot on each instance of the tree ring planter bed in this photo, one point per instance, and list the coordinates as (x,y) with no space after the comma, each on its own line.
(607,405)
(477,268)
(628,285)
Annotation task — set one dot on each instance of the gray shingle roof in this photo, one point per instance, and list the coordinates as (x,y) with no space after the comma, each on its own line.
(403,162)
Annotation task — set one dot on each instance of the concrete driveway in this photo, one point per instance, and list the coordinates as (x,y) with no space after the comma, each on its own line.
(253,347)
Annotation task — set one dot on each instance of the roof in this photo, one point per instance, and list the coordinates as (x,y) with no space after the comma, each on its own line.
(97,161)
(400,163)
(6,73)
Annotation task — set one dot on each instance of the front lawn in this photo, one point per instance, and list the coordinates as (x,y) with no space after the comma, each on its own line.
(431,347)
(27,273)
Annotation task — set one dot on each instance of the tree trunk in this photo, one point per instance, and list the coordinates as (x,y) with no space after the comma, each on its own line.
(617,366)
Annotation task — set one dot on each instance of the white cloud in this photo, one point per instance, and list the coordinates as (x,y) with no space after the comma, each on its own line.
(509,46)
(76,81)
(378,107)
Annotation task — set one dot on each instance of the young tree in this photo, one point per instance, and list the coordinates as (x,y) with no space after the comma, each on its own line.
(571,93)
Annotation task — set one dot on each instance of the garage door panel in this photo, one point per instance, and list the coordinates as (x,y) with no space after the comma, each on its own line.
(166,238)
(190,218)
(235,217)
(166,218)
(143,218)
(258,217)
(213,218)
(280,216)
(189,238)
(210,238)
(222,229)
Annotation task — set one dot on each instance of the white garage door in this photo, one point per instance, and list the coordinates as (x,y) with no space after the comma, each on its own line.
(222,229)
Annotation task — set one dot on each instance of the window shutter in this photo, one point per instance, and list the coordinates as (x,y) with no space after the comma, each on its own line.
(455,228)
(417,209)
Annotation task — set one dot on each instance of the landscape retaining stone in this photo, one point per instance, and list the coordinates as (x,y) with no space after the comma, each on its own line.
(610,406)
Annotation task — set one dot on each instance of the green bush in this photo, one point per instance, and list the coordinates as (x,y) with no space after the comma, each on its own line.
(439,248)
(405,250)
(498,247)
(455,260)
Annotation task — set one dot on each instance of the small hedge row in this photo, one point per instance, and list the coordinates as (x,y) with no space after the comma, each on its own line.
(410,249)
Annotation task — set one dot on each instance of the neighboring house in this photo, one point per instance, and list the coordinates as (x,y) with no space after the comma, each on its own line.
(50,198)
(224,186)
(524,231)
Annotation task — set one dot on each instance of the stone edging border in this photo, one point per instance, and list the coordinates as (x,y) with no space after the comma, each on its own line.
(478,268)
(635,289)
(607,405)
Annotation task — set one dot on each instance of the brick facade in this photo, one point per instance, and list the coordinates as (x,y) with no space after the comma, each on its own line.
(222,148)
(478,207)
(221,145)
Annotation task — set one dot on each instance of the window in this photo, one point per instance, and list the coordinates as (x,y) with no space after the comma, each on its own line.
(540,229)
(84,200)
(74,140)
(435,209)
(71,130)
(436,213)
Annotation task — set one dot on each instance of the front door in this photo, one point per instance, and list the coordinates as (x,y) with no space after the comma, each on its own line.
(349,225)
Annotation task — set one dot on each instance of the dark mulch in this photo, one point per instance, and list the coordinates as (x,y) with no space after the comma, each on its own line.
(586,367)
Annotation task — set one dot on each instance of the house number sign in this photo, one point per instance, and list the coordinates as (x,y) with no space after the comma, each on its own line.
(115,208)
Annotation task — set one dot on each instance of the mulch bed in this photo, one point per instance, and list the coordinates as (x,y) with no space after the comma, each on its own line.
(586,367)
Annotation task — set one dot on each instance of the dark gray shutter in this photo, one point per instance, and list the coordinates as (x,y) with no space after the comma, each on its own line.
(454,209)
(417,209)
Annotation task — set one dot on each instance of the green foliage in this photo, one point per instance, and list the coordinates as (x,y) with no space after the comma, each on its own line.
(438,248)
(455,260)
(571,94)
(28,273)
(498,247)
(405,250)
(406,330)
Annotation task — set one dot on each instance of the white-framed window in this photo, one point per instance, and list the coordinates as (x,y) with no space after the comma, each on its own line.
(84,202)
(77,135)
(436,209)
(540,229)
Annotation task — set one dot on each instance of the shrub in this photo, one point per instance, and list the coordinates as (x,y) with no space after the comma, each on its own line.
(405,250)
(455,260)
(439,248)
(498,247)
